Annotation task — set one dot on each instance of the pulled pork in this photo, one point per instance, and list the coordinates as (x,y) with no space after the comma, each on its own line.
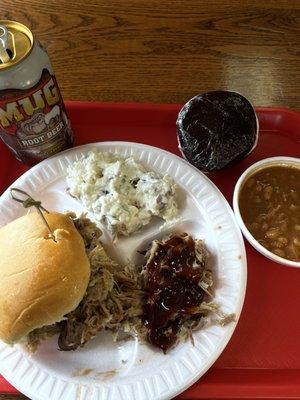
(162,303)
(113,299)
(177,282)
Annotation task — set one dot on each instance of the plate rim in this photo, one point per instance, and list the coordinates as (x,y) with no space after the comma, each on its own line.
(228,334)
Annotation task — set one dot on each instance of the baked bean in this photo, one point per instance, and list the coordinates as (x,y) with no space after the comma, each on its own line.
(258,188)
(296,242)
(254,226)
(279,252)
(270,203)
(294,195)
(283,240)
(273,211)
(273,233)
(292,251)
(283,226)
(261,218)
(282,217)
(268,190)
(263,243)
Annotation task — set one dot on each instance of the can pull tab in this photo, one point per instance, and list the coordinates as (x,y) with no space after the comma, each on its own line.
(4,57)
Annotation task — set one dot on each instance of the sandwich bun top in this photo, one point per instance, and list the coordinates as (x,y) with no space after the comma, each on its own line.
(41,280)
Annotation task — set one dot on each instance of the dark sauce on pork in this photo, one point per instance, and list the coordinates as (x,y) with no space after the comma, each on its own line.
(173,291)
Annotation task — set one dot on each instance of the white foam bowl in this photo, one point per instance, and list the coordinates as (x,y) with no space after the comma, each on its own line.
(267,162)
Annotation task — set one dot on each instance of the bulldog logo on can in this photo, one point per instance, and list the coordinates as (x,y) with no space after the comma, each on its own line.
(33,122)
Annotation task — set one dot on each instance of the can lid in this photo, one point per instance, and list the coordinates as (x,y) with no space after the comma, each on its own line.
(16,43)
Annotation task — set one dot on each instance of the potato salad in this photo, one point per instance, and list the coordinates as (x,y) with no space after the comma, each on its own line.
(120,192)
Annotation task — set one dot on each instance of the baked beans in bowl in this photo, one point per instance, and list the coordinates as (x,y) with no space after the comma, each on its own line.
(266,203)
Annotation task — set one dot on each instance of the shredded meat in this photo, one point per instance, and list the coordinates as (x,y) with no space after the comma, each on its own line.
(176,281)
(36,336)
(129,299)
(113,299)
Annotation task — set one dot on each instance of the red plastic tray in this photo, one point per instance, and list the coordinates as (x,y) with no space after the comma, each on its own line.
(262,360)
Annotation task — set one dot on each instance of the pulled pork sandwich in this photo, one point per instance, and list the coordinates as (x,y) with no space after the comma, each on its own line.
(55,278)
(42,278)
(62,284)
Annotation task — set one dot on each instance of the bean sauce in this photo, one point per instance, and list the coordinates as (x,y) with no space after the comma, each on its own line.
(269,203)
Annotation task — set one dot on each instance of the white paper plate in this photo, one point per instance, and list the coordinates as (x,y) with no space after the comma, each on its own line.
(128,370)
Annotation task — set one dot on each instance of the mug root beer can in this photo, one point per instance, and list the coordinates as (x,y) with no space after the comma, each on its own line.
(33,119)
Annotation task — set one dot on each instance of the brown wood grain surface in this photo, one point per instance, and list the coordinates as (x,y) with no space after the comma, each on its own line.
(169,50)
(166,51)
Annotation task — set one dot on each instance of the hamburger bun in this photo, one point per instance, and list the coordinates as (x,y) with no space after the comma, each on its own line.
(41,280)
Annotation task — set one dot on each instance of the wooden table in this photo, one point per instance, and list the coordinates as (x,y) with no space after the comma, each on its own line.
(167,51)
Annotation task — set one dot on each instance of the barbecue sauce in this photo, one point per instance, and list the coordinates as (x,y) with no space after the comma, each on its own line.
(173,291)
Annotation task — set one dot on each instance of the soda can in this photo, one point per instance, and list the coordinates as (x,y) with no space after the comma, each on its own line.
(33,120)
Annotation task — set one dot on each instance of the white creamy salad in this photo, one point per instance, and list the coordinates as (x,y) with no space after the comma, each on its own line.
(120,192)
